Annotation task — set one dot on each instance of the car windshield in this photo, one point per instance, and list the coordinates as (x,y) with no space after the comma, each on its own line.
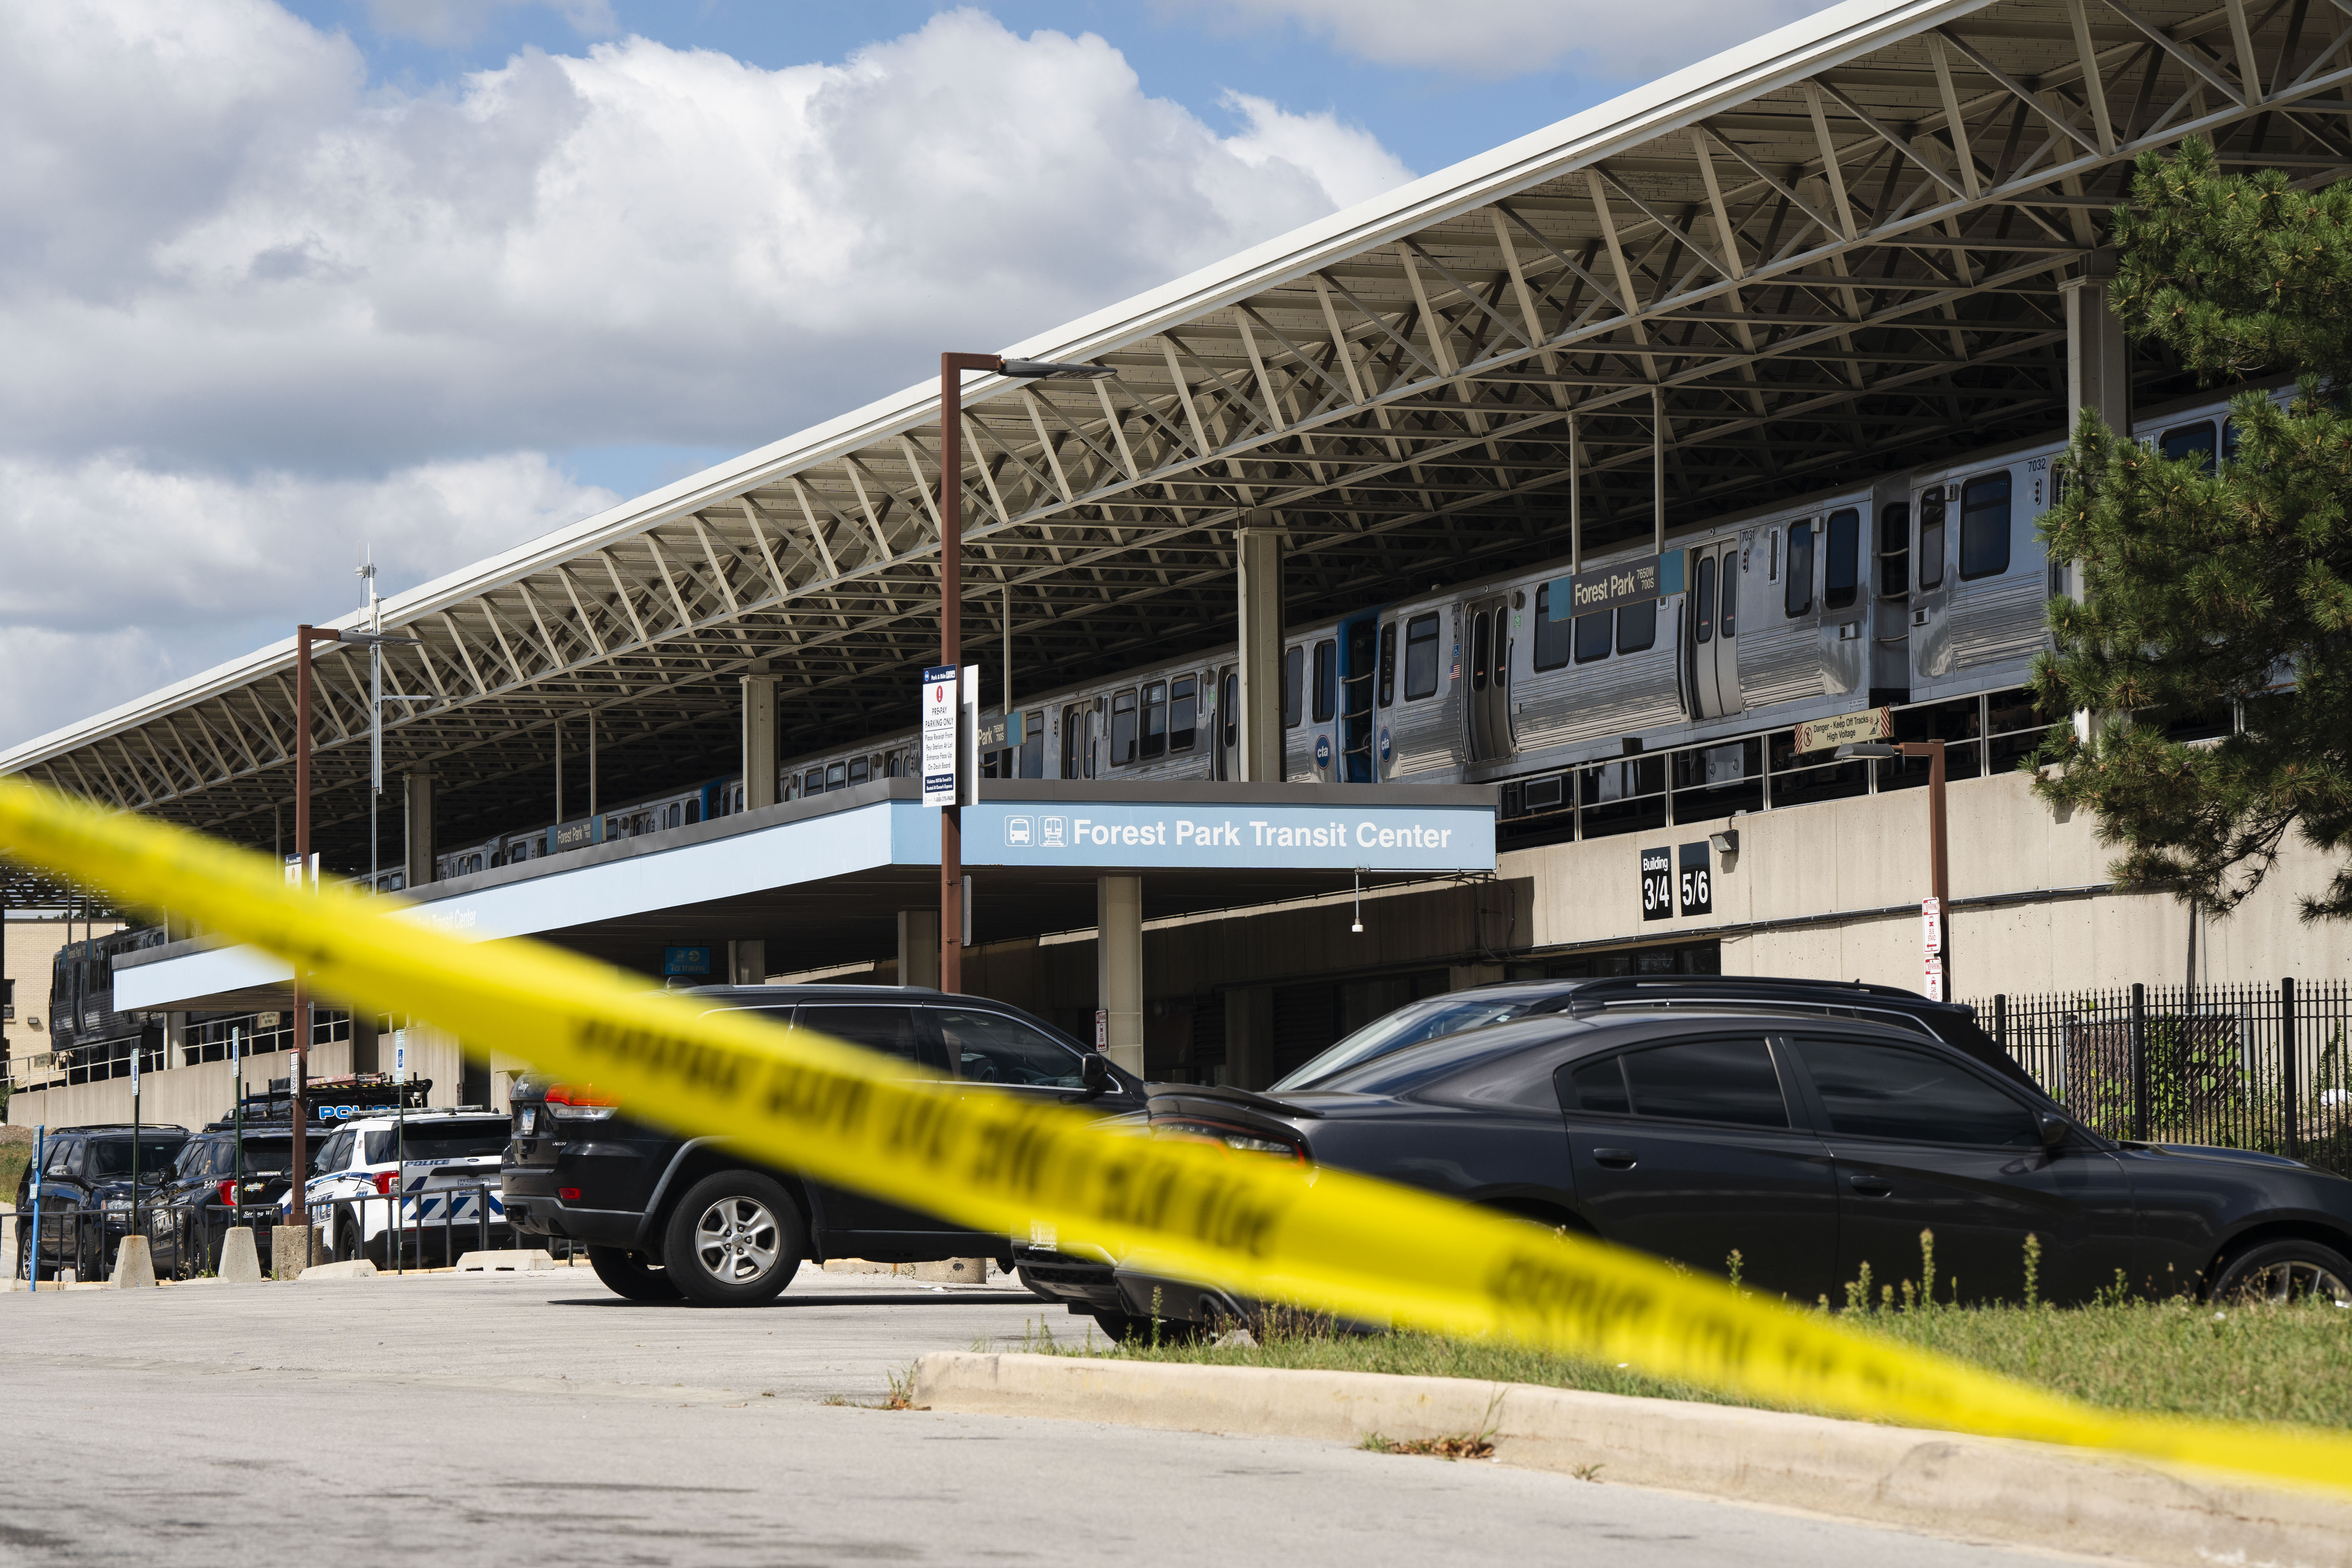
(1408,1025)
(271,1157)
(111,1157)
(437,1140)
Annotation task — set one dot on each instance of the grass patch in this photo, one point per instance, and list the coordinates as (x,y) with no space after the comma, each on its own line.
(1461,1446)
(2263,1363)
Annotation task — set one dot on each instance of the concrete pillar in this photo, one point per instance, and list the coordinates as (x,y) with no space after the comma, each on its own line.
(747,961)
(1119,968)
(919,947)
(1257,550)
(1249,1036)
(419,814)
(2098,356)
(364,1042)
(759,738)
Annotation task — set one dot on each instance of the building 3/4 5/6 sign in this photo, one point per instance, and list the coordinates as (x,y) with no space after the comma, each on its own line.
(1657,883)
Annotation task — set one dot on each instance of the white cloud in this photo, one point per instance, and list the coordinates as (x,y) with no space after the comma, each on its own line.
(234,274)
(140,576)
(454,22)
(1497,38)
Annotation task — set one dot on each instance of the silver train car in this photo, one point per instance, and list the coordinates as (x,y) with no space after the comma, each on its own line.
(1923,586)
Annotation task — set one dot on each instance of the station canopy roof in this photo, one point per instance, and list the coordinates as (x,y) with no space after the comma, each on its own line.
(1830,252)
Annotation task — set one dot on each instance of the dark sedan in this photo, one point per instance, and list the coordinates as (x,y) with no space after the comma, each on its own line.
(1811,1146)
(88,1196)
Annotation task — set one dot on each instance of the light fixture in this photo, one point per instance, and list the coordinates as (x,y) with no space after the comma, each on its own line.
(1866,749)
(1050,370)
(1726,842)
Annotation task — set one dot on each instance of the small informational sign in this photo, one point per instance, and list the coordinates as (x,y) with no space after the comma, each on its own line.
(1845,730)
(686,961)
(293,870)
(1657,883)
(1697,884)
(1608,587)
(570,836)
(1931,925)
(1102,1029)
(1934,985)
(940,712)
(400,1056)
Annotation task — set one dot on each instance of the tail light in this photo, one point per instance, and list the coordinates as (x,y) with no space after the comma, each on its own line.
(568,1195)
(579,1102)
(228,1192)
(385,1182)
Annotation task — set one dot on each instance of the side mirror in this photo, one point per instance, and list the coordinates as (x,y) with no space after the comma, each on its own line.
(1094,1073)
(2053,1132)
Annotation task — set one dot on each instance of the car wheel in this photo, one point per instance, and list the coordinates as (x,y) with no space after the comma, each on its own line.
(347,1244)
(2289,1271)
(628,1274)
(734,1240)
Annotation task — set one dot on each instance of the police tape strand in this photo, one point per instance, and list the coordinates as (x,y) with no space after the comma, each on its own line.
(1322,1239)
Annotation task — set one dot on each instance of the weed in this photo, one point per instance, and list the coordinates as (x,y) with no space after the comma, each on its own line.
(1731,1266)
(902,1392)
(1588,1472)
(1459,1446)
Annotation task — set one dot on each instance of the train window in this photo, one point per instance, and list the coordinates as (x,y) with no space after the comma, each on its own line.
(1931,538)
(837,775)
(1326,681)
(814,783)
(1894,550)
(1703,602)
(1798,597)
(1420,657)
(1478,634)
(2229,440)
(1553,637)
(1294,671)
(1155,719)
(1122,728)
(1388,661)
(1840,559)
(1592,636)
(1229,711)
(1074,729)
(860,770)
(1727,606)
(1773,556)
(1032,744)
(1984,527)
(2190,441)
(1637,626)
(1183,712)
(693,811)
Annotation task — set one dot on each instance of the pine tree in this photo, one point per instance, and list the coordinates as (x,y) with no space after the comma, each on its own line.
(2208,584)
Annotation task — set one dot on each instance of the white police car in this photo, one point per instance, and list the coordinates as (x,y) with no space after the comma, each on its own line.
(438,1169)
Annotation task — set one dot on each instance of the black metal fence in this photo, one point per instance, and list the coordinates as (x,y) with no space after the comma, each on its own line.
(2247,1067)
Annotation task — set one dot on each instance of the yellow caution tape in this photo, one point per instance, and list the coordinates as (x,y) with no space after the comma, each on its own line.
(1331,1240)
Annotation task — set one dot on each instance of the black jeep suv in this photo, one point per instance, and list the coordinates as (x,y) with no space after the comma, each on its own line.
(664,1216)
(87,1197)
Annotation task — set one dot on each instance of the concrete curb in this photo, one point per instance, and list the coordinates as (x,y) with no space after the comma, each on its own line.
(1974,1488)
(330,1273)
(512,1260)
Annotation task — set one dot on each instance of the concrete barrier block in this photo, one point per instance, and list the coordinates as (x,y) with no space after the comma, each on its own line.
(240,1259)
(289,1250)
(953,1271)
(507,1260)
(134,1266)
(349,1268)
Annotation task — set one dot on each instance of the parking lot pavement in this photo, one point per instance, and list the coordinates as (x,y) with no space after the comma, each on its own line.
(536,1418)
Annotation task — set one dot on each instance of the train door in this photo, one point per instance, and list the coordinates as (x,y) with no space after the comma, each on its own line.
(1226,722)
(1928,624)
(1891,524)
(1713,574)
(1487,710)
(1358,661)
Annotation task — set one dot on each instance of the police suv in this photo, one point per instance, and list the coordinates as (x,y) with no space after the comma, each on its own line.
(427,1182)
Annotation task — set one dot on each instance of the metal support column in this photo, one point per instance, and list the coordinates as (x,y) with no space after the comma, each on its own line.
(758,737)
(1257,553)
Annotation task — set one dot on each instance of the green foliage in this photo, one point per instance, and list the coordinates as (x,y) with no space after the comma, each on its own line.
(2203,590)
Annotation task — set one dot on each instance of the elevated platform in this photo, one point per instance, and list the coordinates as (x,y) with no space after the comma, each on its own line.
(822,880)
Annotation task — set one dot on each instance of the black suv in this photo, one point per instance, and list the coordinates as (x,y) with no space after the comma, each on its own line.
(664,1216)
(188,1220)
(89,1169)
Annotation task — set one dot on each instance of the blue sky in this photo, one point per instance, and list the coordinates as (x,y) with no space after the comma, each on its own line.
(283,280)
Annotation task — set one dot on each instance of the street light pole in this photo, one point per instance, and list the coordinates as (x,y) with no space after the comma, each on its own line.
(951,369)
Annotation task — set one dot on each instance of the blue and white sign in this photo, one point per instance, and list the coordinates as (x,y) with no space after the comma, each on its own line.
(1322,751)
(1376,838)
(686,961)
(1385,753)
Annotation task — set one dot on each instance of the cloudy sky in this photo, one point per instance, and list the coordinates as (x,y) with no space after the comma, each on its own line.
(280,281)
